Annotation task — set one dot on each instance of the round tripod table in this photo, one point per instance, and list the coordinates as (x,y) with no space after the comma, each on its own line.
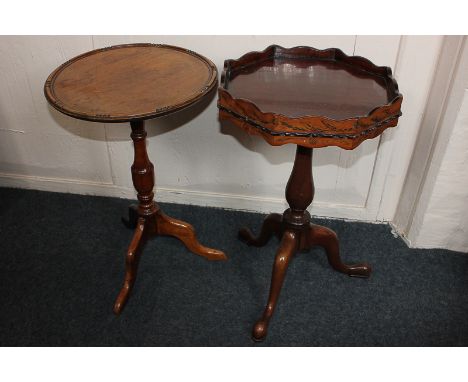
(132,83)
(311,98)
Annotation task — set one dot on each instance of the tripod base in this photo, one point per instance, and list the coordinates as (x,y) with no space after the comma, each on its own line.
(294,237)
(146,227)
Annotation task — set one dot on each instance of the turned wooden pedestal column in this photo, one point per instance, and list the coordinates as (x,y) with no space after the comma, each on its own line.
(148,219)
(297,233)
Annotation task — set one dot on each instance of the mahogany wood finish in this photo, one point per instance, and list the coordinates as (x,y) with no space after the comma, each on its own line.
(131,83)
(297,233)
(150,220)
(312,98)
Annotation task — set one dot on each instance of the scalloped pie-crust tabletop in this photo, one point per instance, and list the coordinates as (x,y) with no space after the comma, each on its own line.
(312,98)
(133,83)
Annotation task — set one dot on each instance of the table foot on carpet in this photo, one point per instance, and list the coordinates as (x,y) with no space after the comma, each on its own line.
(287,248)
(271,226)
(326,238)
(131,262)
(132,220)
(185,232)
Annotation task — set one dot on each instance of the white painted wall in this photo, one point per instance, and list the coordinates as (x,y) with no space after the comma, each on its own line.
(441,213)
(197,160)
(428,134)
(445,222)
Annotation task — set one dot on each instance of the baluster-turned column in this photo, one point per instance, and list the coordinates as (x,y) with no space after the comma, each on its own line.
(142,171)
(300,188)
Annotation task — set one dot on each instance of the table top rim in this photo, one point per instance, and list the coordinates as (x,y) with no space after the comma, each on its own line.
(272,49)
(308,130)
(58,105)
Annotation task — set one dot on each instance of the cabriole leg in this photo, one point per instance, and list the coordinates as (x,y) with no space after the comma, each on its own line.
(327,239)
(271,226)
(285,252)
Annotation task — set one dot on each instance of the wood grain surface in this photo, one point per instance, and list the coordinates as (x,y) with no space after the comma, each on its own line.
(130,82)
(297,88)
(310,97)
(297,234)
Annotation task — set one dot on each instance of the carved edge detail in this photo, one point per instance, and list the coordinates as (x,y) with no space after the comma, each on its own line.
(336,54)
(357,128)
(365,132)
(106,118)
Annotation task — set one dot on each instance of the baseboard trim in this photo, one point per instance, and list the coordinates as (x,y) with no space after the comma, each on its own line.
(398,233)
(168,195)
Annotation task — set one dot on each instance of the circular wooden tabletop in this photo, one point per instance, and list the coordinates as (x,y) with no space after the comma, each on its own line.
(130,82)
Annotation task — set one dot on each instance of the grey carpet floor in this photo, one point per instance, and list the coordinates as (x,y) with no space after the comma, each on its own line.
(62,264)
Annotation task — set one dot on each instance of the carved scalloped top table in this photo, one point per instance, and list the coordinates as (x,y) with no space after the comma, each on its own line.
(311,98)
(132,83)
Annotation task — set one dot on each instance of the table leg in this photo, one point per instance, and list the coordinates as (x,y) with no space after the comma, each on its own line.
(285,252)
(185,232)
(132,220)
(148,220)
(326,238)
(271,226)
(131,263)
